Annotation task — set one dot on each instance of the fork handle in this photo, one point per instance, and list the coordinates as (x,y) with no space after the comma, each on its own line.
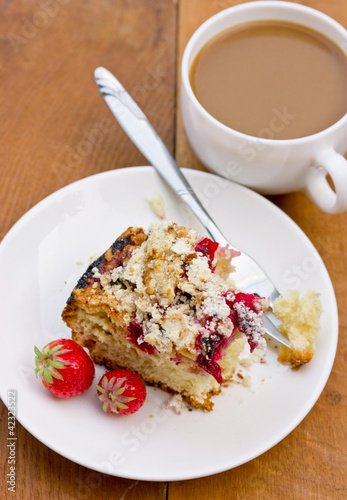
(136,125)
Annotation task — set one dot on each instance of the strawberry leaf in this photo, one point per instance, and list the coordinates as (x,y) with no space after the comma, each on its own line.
(120,391)
(60,353)
(105,383)
(56,374)
(125,399)
(38,352)
(115,387)
(47,376)
(55,348)
(57,364)
(114,410)
(64,362)
(120,405)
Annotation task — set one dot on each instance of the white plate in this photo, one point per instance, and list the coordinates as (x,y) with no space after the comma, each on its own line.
(49,248)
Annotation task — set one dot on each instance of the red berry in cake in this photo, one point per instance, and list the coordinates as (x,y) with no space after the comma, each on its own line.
(208,248)
(65,368)
(121,391)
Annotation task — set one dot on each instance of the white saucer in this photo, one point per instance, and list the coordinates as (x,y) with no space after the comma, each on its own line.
(49,248)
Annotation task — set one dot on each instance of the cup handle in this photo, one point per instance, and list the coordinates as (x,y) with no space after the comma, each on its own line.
(318,188)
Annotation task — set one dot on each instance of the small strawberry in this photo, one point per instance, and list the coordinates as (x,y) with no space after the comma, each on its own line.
(121,391)
(65,368)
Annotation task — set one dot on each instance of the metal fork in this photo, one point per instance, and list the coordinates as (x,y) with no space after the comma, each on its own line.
(249,276)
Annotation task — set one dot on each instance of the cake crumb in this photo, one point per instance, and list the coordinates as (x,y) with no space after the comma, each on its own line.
(175,403)
(300,318)
(157,205)
(241,376)
(247,381)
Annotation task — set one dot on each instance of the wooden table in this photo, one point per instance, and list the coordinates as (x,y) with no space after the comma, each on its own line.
(55,129)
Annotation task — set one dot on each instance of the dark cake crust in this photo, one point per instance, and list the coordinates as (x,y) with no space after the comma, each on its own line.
(118,254)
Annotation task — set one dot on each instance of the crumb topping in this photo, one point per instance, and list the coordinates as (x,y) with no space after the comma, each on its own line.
(182,247)
(174,296)
(251,323)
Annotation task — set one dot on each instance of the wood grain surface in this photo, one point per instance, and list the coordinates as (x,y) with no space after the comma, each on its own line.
(55,129)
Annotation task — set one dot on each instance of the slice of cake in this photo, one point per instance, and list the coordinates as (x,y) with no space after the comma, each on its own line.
(161,303)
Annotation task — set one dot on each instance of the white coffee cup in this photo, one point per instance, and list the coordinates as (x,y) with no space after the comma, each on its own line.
(268,166)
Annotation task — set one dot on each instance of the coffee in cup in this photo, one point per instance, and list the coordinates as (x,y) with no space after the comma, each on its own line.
(248,75)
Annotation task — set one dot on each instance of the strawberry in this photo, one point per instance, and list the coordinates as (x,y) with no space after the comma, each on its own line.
(65,368)
(121,391)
